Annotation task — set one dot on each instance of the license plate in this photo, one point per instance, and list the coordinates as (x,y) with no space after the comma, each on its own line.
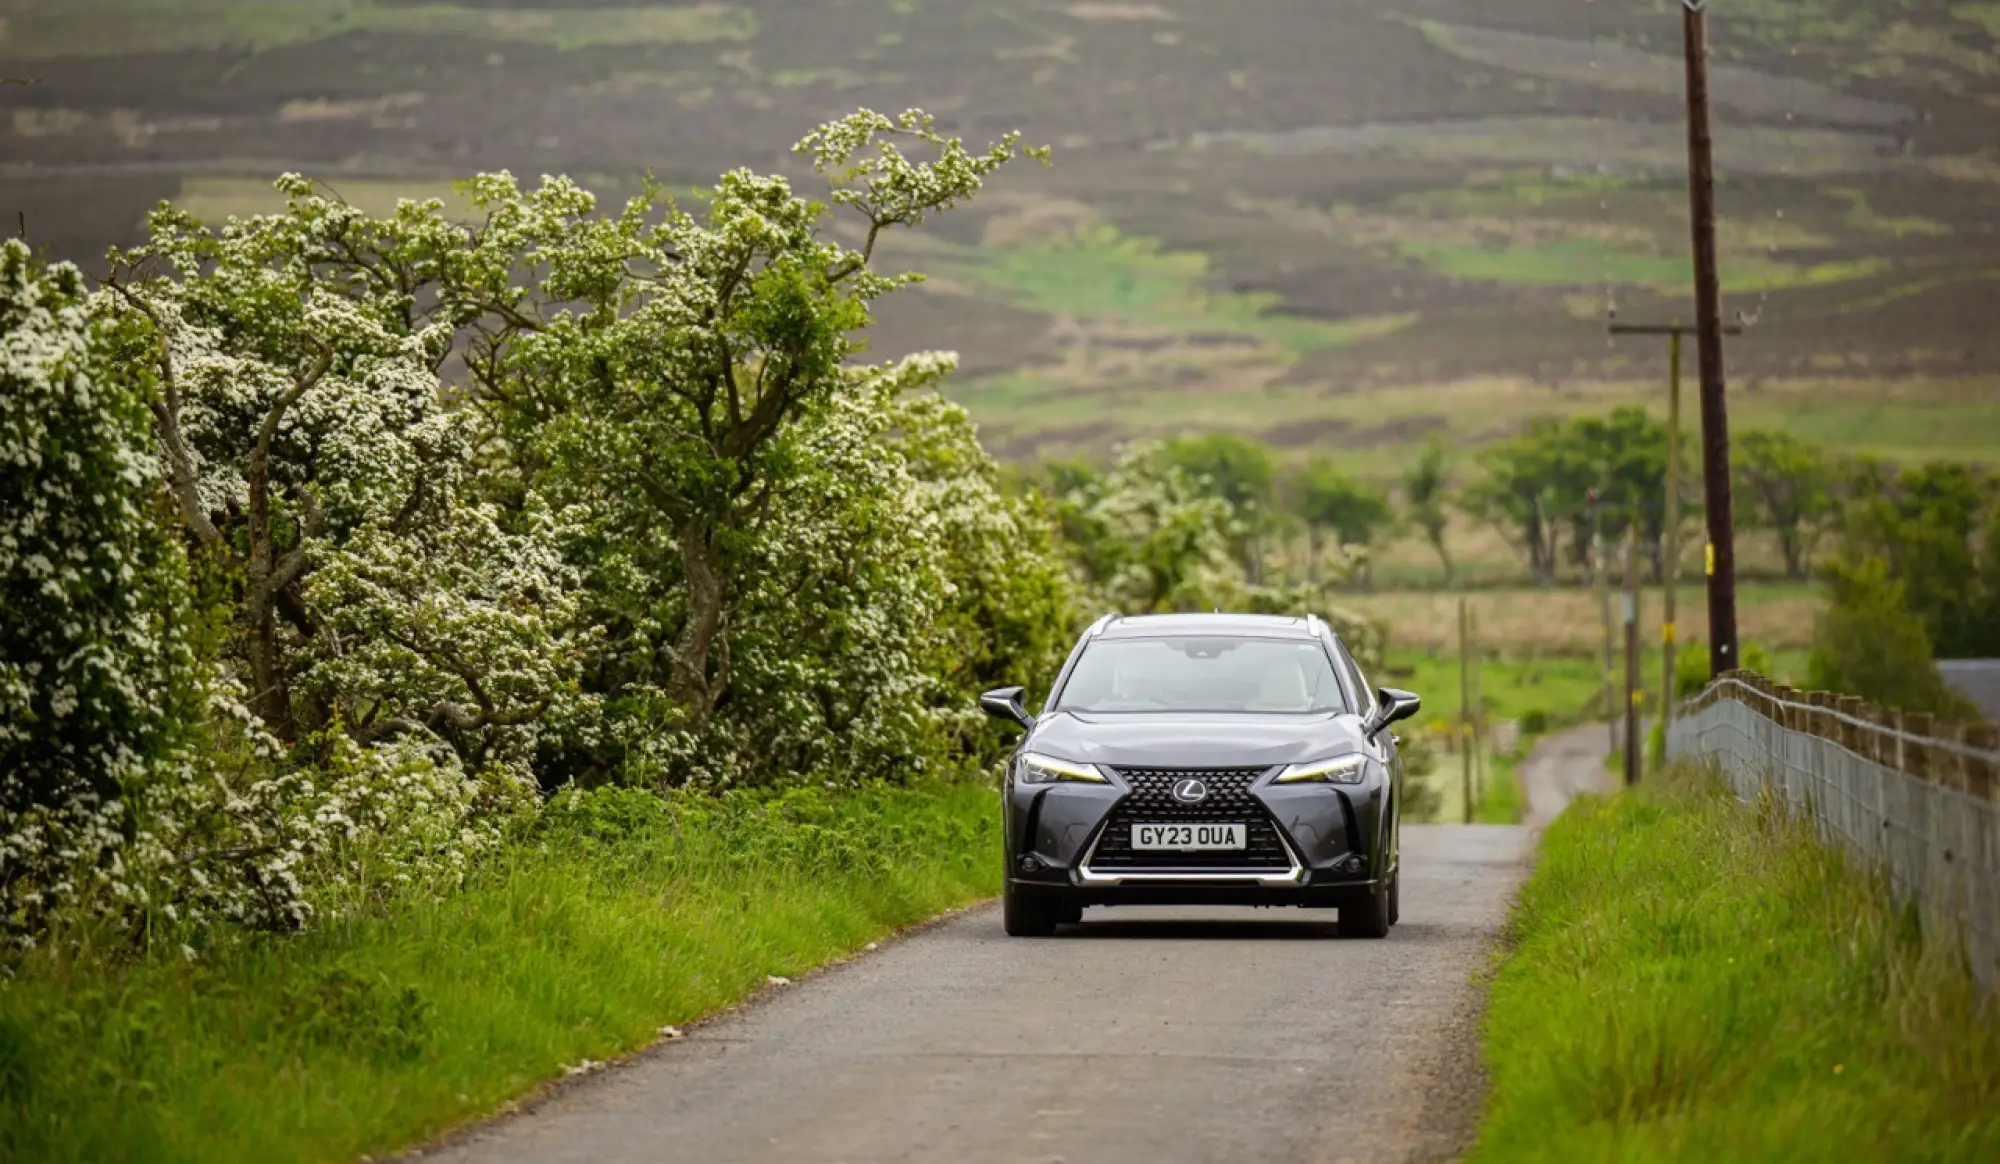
(1187,838)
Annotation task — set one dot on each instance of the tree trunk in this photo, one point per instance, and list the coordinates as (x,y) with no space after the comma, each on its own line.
(260,612)
(1791,545)
(1444,556)
(272,698)
(701,668)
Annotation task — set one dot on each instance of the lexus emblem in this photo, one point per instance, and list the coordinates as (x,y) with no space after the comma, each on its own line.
(1190,791)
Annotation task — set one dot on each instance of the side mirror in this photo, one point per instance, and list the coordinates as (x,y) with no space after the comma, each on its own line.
(1397,705)
(1008,703)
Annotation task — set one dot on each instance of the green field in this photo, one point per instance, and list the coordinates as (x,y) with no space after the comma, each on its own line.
(1688,979)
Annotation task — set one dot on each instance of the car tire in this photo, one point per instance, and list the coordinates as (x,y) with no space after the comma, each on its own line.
(1367,917)
(1068,913)
(1025,916)
(1395,896)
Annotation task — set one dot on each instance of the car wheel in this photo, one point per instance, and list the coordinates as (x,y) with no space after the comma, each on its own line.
(1068,913)
(1025,916)
(1366,918)
(1395,895)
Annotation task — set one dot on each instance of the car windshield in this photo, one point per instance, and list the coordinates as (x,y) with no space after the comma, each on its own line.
(1278,676)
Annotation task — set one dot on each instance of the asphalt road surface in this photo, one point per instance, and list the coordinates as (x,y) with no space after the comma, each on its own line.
(1145,1036)
(1564,766)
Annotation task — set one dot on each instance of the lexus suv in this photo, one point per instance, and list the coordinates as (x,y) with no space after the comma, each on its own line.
(1220,759)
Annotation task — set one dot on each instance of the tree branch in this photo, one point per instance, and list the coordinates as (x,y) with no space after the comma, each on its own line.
(181,479)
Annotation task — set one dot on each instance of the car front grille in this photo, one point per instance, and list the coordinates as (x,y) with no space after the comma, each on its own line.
(1229,801)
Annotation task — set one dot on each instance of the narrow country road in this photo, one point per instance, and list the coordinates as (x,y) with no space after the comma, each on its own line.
(1561,767)
(1142,1036)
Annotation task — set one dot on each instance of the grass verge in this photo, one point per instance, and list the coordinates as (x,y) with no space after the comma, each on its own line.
(1692,980)
(620,916)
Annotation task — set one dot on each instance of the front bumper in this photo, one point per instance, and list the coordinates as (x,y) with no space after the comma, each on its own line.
(1328,894)
(1335,839)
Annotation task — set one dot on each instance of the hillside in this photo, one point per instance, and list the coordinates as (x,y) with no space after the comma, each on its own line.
(1337,225)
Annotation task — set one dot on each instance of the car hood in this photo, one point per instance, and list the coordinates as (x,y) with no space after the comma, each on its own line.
(1195,740)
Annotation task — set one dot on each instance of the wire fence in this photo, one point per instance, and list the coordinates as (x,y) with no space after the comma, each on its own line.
(1910,798)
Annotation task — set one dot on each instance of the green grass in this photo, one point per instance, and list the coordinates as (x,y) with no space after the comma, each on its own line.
(1098,273)
(111,27)
(1689,980)
(1512,687)
(1500,799)
(1497,797)
(1581,262)
(366,1036)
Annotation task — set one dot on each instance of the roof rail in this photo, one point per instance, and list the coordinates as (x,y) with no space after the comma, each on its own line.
(1314,626)
(1097,628)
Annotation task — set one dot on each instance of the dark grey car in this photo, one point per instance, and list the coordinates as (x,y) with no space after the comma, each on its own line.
(1204,758)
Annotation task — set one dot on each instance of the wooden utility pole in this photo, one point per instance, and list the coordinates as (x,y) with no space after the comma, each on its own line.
(1465,705)
(1721,555)
(1633,744)
(1478,706)
(1670,536)
(1603,580)
(1670,532)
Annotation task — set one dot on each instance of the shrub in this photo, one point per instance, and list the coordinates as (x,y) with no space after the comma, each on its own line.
(1869,643)
(93,659)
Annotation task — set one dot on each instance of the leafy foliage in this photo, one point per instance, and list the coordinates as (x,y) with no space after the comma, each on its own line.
(1331,500)
(93,667)
(1869,643)
(449,509)
(1916,577)
(1426,488)
(1788,486)
(1609,470)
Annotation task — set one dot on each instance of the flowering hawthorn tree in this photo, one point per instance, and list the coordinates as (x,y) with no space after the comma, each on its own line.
(673,390)
(308,450)
(92,667)
(546,493)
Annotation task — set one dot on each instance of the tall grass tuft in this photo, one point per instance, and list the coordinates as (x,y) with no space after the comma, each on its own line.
(1691,979)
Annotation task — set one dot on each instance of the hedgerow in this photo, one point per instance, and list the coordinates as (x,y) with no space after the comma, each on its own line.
(334,544)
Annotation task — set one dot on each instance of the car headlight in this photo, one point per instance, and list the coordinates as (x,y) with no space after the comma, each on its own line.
(1348,769)
(1049,770)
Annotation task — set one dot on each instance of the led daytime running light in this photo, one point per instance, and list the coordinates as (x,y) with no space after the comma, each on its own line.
(1037,769)
(1348,769)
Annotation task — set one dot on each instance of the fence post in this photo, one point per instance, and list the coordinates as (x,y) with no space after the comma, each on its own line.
(1952,765)
(1850,735)
(1979,772)
(1917,755)
(1984,834)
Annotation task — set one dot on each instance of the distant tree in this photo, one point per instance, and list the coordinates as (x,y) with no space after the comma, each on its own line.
(1426,487)
(1242,473)
(1542,480)
(1788,486)
(1524,492)
(1235,468)
(1869,643)
(1148,536)
(1331,500)
(1932,529)
(1623,455)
